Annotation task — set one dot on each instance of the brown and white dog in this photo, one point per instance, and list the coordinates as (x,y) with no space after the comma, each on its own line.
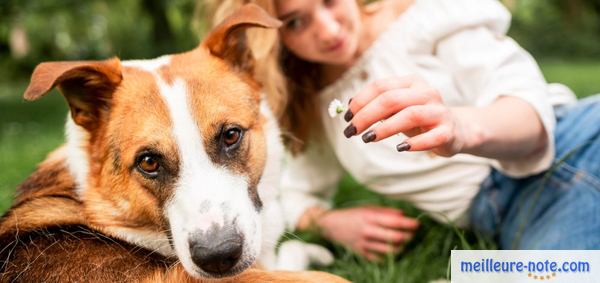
(167,173)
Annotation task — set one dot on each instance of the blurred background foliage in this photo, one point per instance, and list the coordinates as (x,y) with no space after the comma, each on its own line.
(39,30)
(42,30)
(557,28)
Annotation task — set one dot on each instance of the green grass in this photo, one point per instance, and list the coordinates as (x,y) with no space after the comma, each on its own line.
(424,259)
(583,77)
(30,130)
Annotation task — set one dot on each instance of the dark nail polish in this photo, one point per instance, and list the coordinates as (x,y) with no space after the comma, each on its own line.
(350,131)
(349,101)
(369,136)
(348,116)
(403,147)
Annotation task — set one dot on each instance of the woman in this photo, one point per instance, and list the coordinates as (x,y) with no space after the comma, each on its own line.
(444,111)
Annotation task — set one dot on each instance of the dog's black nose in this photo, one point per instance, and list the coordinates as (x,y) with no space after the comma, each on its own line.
(217,250)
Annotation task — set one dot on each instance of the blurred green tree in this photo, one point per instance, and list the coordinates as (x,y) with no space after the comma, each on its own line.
(34,31)
(557,28)
(41,30)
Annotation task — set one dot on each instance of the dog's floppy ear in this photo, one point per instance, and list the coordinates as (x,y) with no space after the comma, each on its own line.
(228,40)
(87,85)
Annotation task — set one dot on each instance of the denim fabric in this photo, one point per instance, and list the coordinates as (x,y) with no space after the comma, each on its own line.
(558,209)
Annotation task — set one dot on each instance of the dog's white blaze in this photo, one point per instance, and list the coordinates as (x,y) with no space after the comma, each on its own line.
(202,183)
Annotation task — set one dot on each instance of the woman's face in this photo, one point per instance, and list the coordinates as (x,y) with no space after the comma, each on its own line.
(321,31)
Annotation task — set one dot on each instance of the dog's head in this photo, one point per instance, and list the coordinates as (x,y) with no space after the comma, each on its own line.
(168,153)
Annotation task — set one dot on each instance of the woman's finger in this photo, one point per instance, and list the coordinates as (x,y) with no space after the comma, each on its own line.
(387,235)
(382,248)
(397,222)
(384,106)
(413,117)
(432,139)
(373,90)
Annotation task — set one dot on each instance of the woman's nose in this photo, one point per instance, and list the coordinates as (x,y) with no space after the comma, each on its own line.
(327,27)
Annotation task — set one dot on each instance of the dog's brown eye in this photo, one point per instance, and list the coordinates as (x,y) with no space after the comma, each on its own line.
(232,136)
(149,164)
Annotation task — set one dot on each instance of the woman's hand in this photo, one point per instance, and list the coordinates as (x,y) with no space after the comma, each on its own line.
(508,128)
(370,231)
(405,105)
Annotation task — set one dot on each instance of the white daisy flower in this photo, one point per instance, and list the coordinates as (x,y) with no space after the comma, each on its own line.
(335,108)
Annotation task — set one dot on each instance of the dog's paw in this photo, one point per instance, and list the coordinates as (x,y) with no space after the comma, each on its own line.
(297,255)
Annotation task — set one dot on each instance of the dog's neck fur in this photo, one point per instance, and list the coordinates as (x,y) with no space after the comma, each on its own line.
(77,157)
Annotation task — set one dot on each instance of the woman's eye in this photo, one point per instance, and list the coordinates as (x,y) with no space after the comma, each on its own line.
(294,24)
(148,165)
(328,3)
(232,137)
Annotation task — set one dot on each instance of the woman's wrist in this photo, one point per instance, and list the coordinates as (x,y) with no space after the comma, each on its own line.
(508,128)
(469,135)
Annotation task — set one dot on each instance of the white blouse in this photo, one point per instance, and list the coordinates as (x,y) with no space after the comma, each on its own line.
(460,47)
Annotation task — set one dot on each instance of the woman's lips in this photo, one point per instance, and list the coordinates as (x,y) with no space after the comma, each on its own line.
(336,46)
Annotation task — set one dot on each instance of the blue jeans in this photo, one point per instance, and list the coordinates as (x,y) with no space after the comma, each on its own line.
(558,209)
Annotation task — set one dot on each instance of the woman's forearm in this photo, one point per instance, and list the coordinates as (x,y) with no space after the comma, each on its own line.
(508,128)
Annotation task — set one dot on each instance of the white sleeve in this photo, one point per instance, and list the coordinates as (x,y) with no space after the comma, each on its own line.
(309,179)
(487,64)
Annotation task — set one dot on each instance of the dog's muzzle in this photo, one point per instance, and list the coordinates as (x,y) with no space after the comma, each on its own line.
(216,251)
